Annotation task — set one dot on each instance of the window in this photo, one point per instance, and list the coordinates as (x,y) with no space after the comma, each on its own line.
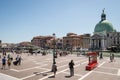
(67,41)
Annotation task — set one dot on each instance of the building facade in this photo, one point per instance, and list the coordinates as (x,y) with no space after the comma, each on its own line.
(74,41)
(105,35)
(86,41)
(37,41)
(113,39)
(42,41)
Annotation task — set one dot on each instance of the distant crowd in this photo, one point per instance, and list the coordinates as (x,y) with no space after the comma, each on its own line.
(7,60)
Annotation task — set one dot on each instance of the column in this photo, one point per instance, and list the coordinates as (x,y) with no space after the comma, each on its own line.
(93,44)
(97,43)
(90,46)
(103,45)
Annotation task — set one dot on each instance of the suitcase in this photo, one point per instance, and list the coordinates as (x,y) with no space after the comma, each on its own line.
(15,62)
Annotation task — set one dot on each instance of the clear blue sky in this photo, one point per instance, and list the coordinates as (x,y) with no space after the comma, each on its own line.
(21,20)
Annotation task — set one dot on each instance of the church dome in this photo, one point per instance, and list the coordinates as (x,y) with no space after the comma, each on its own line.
(104,25)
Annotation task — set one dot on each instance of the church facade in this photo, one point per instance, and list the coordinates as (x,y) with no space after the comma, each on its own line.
(105,36)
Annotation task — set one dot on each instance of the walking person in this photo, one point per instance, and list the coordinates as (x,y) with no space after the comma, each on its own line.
(54,68)
(71,66)
(8,56)
(19,60)
(101,55)
(4,53)
(3,62)
(9,62)
(112,57)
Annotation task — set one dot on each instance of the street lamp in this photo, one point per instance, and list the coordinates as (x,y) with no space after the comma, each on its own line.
(54,49)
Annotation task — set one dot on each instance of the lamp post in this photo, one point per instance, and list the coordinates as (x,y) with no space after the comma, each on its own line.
(54,49)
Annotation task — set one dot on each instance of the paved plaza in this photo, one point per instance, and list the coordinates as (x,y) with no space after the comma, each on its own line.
(38,67)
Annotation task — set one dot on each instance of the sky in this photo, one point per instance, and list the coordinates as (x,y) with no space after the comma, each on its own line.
(21,20)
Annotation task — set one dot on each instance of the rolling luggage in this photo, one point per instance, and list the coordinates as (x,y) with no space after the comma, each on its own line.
(15,62)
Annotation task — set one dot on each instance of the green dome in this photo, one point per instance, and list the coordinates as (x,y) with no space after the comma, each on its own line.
(104,26)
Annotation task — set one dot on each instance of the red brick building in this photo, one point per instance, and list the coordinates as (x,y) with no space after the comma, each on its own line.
(74,41)
(42,41)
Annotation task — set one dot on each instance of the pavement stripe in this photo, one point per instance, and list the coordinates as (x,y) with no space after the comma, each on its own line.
(38,73)
(90,72)
(109,68)
(118,72)
(63,61)
(85,75)
(28,76)
(74,74)
(32,68)
(59,72)
(7,77)
(75,63)
(80,60)
(27,68)
(62,66)
(104,73)
(14,70)
(101,64)
(45,65)
(53,74)
(44,68)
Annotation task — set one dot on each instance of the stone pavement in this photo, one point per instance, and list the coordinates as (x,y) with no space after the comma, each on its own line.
(7,77)
(39,68)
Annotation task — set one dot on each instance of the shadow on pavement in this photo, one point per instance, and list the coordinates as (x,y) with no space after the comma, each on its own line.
(39,73)
(68,76)
(52,76)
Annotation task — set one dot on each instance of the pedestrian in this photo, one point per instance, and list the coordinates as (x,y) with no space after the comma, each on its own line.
(54,68)
(9,62)
(19,60)
(3,62)
(4,53)
(111,57)
(8,56)
(71,67)
(98,54)
(101,55)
